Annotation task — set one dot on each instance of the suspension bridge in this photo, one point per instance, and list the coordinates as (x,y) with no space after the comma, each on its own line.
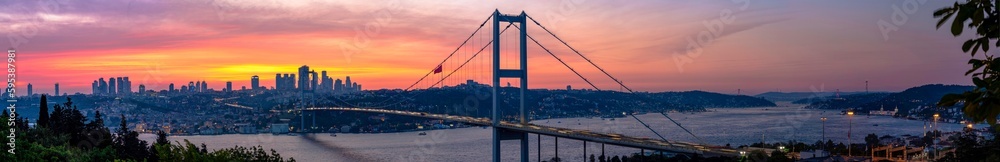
(510,61)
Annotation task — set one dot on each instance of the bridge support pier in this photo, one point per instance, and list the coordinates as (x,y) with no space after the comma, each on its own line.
(557,147)
(524,148)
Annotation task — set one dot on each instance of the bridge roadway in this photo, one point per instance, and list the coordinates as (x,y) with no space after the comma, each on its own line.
(584,135)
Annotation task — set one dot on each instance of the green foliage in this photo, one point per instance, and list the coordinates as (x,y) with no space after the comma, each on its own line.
(69,137)
(971,147)
(190,152)
(128,145)
(43,112)
(871,140)
(981,104)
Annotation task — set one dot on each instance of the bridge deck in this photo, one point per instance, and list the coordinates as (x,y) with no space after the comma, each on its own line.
(585,135)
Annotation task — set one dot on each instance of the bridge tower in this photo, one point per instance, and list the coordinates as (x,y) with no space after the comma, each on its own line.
(521,74)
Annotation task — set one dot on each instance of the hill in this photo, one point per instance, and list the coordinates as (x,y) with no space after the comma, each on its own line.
(912,100)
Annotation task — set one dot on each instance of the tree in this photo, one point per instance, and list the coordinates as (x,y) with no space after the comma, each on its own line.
(161,138)
(871,140)
(128,145)
(43,112)
(616,159)
(982,103)
(591,155)
(779,156)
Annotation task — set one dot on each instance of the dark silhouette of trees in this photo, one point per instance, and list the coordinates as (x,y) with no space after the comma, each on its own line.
(161,138)
(871,140)
(128,145)
(981,104)
(43,112)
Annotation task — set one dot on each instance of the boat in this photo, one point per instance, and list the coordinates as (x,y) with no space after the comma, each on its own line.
(422,133)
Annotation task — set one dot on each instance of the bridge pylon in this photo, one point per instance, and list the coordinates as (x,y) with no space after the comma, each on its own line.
(521,74)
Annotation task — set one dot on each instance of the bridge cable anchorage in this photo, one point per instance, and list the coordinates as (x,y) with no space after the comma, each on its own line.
(561,61)
(650,128)
(682,127)
(450,73)
(581,55)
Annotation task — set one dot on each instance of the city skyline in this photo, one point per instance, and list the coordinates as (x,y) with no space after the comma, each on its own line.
(742,57)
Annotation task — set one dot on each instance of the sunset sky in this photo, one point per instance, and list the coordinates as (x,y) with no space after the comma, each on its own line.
(768,46)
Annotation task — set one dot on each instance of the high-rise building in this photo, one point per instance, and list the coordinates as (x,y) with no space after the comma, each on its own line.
(57,89)
(229,86)
(142,88)
(121,86)
(30,91)
(277,81)
(111,86)
(355,87)
(255,82)
(127,89)
(348,85)
(190,87)
(184,88)
(338,85)
(304,78)
(315,81)
(170,88)
(291,82)
(102,86)
(326,85)
(95,88)
(204,86)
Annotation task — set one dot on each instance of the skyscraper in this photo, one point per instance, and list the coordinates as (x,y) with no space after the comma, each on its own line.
(190,87)
(326,85)
(121,86)
(142,88)
(304,78)
(127,89)
(347,84)
(102,86)
(315,80)
(254,82)
(170,88)
(291,82)
(278,81)
(204,86)
(229,86)
(57,89)
(30,91)
(95,88)
(338,85)
(111,86)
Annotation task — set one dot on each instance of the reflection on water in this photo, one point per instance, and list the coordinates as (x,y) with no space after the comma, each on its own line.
(719,127)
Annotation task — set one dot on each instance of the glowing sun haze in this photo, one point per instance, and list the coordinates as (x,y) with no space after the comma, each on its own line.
(767,45)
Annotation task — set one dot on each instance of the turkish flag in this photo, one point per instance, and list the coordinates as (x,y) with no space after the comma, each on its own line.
(437,70)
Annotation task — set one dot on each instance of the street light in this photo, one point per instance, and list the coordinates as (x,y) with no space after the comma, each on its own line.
(934,148)
(824,133)
(850,126)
